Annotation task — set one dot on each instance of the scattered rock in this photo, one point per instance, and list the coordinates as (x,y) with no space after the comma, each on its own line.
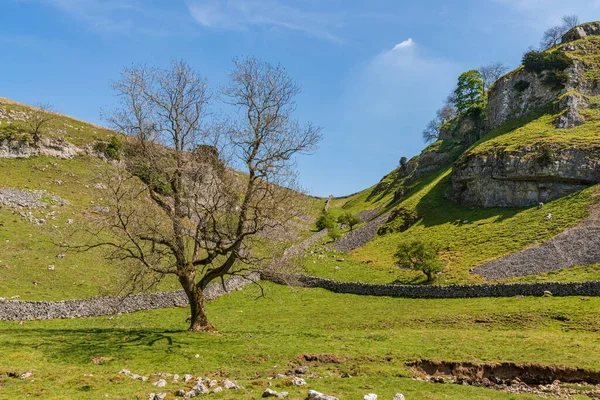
(370,396)
(180,393)
(187,377)
(302,369)
(50,267)
(313,394)
(398,396)
(547,293)
(157,396)
(227,384)
(26,375)
(60,256)
(160,383)
(296,381)
(271,393)
(217,389)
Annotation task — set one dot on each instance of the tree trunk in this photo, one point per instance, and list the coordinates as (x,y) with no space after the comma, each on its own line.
(198,318)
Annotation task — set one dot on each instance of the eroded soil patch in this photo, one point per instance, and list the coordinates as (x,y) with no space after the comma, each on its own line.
(551,380)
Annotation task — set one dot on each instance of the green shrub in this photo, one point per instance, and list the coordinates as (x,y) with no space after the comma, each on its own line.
(334,233)
(421,256)
(545,156)
(538,61)
(325,221)
(13,133)
(349,219)
(111,149)
(114,148)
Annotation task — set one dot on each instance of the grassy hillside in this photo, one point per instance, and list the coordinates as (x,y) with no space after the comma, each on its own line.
(470,237)
(369,338)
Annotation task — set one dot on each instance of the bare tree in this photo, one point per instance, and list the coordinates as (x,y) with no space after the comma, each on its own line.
(553,36)
(38,119)
(569,21)
(431,132)
(446,113)
(491,73)
(189,214)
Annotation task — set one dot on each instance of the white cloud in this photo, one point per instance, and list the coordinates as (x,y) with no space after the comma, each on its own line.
(392,97)
(402,45)
(241,14)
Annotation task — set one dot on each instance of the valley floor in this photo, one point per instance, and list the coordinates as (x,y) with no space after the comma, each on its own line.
(368,338)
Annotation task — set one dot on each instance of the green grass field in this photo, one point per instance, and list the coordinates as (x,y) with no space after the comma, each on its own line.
(371,337)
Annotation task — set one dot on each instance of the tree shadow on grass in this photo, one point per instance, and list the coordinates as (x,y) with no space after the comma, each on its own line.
(80,345)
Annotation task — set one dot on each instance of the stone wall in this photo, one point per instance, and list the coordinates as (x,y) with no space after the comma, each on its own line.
(590,288)
(99,306)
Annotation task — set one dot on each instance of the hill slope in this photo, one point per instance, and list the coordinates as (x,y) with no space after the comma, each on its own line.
(535,141)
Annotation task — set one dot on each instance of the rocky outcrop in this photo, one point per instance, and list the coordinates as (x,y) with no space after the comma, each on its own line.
(48,147)
(516,95)
(525,178)
(581,31)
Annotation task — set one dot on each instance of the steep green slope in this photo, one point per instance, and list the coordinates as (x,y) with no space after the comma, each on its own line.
(473,190)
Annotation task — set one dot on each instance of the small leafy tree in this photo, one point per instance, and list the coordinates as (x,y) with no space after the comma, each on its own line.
(325,221)
(36,124)
(349,219)
(469,91)
(334,233)
(403,162)
(421,256)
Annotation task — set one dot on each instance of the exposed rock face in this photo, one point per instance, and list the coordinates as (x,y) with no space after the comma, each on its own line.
(51,148)
(516,95)
(524,178)
(579,32)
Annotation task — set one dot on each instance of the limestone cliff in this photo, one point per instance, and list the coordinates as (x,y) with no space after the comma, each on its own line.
(542,139)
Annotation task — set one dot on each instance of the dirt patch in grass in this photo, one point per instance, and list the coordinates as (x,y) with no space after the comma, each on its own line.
(542,379)
(506,372)
(324,358)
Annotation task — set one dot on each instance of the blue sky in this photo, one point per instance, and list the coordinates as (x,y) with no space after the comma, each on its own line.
(373,72)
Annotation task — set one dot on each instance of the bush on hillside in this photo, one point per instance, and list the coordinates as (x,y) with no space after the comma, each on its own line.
(420,255)
(349,219)
(538,61)
(111,149)
(325,221)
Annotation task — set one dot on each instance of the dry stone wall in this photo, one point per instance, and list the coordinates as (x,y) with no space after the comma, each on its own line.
(590,288)
(99,306)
